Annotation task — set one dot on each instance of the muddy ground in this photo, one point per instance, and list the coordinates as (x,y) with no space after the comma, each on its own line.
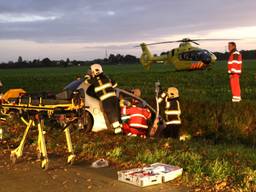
(27,176)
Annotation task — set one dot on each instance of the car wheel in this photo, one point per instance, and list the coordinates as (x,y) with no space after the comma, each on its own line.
(87,121)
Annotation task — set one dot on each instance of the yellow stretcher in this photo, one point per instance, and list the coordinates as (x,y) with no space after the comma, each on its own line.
(12,101)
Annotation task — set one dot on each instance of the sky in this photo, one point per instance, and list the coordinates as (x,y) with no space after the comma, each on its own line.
(90,29)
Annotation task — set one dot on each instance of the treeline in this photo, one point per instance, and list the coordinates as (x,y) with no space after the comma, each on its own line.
(111,60)
(46,62)
(116,59)
(247,55)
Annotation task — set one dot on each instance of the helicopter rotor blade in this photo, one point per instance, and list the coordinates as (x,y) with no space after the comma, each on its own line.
(185,40)
(195,42)
(166,42)
(214,39)
(163,42)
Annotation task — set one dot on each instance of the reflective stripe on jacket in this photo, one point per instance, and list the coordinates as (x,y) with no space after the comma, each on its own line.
(161,98)
(103,87)
(171,110)
(138,116)
(235,62)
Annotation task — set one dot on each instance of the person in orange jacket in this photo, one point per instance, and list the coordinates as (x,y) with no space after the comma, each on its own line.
(137,124)
(234,71)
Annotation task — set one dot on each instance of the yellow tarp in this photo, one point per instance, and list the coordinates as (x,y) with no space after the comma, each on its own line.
(13,93)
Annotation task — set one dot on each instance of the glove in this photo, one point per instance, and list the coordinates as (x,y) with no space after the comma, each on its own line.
(118,130)
(87,77)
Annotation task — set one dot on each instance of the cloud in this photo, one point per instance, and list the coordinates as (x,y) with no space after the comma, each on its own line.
(145,20)
(18,18)
(110,45)
(111,13)
(107,23)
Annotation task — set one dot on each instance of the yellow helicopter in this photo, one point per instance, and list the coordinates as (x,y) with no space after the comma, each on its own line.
(185,57)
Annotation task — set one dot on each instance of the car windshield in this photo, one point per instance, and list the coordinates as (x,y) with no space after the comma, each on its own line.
(73,85)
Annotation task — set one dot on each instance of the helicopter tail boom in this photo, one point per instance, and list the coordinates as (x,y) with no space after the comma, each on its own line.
(146,58)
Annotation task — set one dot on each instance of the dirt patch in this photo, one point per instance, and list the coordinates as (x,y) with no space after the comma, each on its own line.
(27,175)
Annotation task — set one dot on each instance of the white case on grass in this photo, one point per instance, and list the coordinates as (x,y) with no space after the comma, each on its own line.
(168,172)
(139,177)
(154,174)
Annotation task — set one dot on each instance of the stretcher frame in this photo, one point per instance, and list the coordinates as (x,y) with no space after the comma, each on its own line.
(37,121)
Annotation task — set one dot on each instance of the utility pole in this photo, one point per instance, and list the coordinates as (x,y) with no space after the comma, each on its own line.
(106,53)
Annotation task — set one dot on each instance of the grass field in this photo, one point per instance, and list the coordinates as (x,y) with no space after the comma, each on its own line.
(205,95)
(221,157)
(210,85)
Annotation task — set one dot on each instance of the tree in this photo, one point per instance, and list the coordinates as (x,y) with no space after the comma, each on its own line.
(46,62)
(67,61)
(130,59)
(20,60)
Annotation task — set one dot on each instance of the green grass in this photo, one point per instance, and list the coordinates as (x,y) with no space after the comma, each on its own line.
(209,85)
(205,95)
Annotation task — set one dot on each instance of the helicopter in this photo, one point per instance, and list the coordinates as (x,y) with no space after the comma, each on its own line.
(185,57)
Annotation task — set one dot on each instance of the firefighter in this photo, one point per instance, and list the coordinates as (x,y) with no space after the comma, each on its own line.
(104,91)
(137,124)
(234,71)
(123,102)
(172,112)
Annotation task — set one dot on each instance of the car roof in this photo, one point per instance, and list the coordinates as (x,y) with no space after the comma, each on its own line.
(118,91)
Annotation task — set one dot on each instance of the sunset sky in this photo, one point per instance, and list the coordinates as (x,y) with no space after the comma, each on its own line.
(85,29)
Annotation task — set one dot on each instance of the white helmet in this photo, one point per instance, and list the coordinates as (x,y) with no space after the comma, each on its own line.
(173,92)
(96,69)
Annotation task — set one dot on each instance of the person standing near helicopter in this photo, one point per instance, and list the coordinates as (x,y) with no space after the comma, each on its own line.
(104,91)
(234,71)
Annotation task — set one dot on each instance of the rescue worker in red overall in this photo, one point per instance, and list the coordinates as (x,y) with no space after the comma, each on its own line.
(137,124)
(234,71)
(172,113)
(104,90)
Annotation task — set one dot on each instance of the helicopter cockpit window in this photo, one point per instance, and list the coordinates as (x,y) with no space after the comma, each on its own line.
(188,56)
(193,55)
